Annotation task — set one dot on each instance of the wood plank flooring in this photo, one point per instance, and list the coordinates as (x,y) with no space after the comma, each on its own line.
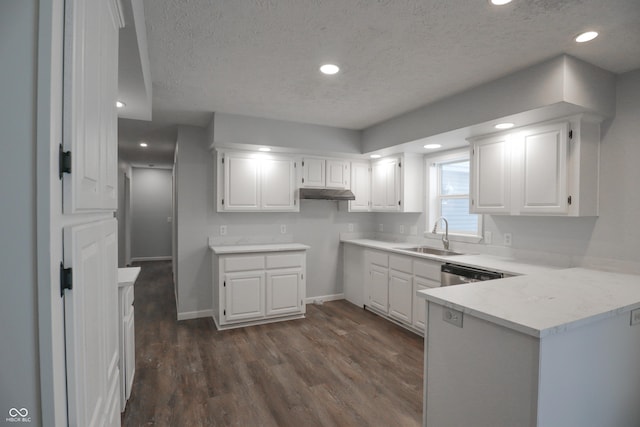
(341,366)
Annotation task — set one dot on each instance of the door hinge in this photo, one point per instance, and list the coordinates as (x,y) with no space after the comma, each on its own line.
(295,165)
(295,202)
(223,160)
(399,204)
(224,312)
(224,284)
(303,163)
(303,178)
(570,133)
(399,164)
(66,279)
(302,276)
(222,202)
(569,200)
(472,202)
(64,161)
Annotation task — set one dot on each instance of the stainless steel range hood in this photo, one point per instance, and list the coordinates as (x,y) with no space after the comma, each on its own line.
(326,194)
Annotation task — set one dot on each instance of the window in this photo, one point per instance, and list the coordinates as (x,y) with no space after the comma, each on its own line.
(448,196)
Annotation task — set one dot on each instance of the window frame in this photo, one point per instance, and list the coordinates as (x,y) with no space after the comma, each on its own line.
(432,196)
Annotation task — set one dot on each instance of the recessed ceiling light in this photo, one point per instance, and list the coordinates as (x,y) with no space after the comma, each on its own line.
(586,36)
(504,125)
(265,149)
(120,104)
(375,156)
(144,144)
(500,2)
(329,69)
(432,146)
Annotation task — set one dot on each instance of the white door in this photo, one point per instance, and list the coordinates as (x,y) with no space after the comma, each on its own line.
(337,174)
(379,287)
(244,296)
(277,184)
(361,187)
(543,166)
(91,324)
(400,295)
(241,183)
(420,304)
(284,292)
(490,175)
(313,172)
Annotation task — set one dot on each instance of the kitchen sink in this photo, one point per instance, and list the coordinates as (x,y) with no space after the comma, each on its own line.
(431,251)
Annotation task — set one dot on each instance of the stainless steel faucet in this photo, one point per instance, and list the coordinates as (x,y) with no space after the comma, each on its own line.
(445,237)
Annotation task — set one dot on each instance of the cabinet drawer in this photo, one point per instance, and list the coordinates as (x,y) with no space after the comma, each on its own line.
(400,263)
(284,260)
(378,258)
(243,263)
(430,270)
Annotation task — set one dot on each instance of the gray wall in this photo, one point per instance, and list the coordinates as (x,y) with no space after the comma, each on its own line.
(318,225)
(610,241)
(19,362)
(150,209)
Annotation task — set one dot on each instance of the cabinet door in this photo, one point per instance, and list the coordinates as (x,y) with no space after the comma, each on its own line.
(400,295)
(361,187)
(241,177)
(542,154)
(313,172)
(244,296)
(490,175)
(130,353)
(284,292)
(419,304)
(385,185)
(337,174)
(379,287)
(277,185)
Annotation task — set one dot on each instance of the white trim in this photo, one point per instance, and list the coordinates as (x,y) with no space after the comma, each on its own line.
(324,298)
(151,258)
(195,314)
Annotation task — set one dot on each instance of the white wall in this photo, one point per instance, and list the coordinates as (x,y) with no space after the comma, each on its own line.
(150,211)
(19,361)
(610,241)
(318,225)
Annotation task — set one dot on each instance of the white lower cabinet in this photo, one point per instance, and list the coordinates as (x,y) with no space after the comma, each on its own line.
(127,342)
(258,287)
(391,282)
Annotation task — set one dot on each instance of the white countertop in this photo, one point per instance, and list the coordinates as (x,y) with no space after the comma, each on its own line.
(486,262)
(127,276)
(275,247)
(544,303)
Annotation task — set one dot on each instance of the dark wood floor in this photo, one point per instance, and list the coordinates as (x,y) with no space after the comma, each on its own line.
(341,366)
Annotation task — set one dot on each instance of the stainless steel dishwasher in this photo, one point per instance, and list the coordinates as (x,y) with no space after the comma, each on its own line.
(453,274)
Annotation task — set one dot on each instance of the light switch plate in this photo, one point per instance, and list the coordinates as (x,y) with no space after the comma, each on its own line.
(452,316)
(283,229)
(635,316)
(223,230)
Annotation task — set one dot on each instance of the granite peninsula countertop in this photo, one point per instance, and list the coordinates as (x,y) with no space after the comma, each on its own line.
(544,303)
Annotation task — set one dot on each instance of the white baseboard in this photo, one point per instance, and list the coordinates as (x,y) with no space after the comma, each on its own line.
(151,258)
(324,298)
(195,314)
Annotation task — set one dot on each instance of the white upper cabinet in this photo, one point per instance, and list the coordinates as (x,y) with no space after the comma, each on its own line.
(397,184)
(247,183)
(545,169)
(490,180)
(324,173)
(361,187)
(90,117)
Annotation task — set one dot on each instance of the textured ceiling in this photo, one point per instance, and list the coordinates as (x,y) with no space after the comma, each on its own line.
(261,57)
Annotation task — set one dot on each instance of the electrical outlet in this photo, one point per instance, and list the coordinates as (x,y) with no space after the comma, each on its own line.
(452,316)
(507,239)
(635,316)
(401,229)
(488,237)
(283,229)
(380,227)
(223,230)
(351,227)
(168,219)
